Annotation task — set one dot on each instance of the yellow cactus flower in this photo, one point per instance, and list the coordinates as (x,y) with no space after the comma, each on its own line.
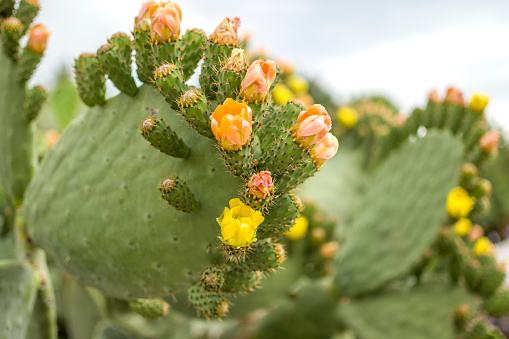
(298,231)
(459,203)
(462,227)
(478,102)
(347,116)
(239,224)
(281,94)
(484,246)
(297,84)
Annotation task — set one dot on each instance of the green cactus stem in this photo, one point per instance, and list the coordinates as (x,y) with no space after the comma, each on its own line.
(213,55)
(150,308)
(90,80)
(26,12)
(124,45)
(492,277)
(263,255)
(231,74)
(28,62)
(498,304)
(35,98)
(11,32)
(170,82)
(162,137)
(191,50)
(193,106)
(117,66)
(175,191)
(212,278)
(144,60)
(209,304)
(241,281)
(6,8)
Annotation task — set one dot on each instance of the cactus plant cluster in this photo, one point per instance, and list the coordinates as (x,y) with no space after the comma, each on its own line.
(148,242)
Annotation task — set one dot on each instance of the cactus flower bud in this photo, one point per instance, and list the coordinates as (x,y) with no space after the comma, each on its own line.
(239,224)
(484,246)
(489,142)
(259,77)
(347,117)
(144,12)
(231,124)
(476,233)
(226,33)
(38,38)
(459,203)
(454,96)
(433,96)
(324,149)
(298,230)
(237,62)
(165,21)
(260,185)
(462,227)
(328,250)
(478,102)
(312,126)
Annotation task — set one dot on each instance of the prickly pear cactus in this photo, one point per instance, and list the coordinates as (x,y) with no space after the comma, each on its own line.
(204,208)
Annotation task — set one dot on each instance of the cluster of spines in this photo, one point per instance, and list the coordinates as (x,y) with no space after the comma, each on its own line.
(163,138)
(176,192)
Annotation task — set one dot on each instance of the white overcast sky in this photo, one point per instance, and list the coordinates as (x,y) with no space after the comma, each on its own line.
(399,48)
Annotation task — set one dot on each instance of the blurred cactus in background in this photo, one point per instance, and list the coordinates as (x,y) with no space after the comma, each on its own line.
(102,236)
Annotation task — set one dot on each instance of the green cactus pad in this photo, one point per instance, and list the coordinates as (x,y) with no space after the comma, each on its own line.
(34,101)
(26,12)
(413,179)
(498,304)
(175,191)
(90,79)
(10,33)
(424,312)
(16,141)
(6,8)
(144,60)
(191,50)
(150,308)
(94,204)
(28,62)
(113,62)
(162,137)
(18,291)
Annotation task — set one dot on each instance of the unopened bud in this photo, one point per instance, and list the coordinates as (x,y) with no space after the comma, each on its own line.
(38,38)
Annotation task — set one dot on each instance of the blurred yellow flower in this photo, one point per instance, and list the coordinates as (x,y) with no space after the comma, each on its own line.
(347,116)
(478,102)
(297,84)
(281,94)
(238,224)
(459,203)
(462,226)
(484,246)
(298,231)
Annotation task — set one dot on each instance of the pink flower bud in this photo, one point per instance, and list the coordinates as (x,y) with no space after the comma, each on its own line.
(259,77)
(312,125)
(38,38)
(454,96)
(226,32)
(489,142)
(324,149)
(231,124)
(165,21)
(260,185)
(144,11)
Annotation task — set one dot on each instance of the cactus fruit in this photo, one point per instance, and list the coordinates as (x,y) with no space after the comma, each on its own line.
(150,308)
(121,239)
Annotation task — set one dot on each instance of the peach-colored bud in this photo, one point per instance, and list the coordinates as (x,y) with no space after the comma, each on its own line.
(312,125)
(324,149)
(454,96)
(165,21)
(489,142)
(256,84)
(38,38)
(400,119)
(434,97)
(328,250)
(476,232)
(226,32)
(144,11)
(231,124)
(260,185)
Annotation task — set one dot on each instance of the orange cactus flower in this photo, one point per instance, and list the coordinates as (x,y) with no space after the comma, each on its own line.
(312,125)
(231,124)
(226,32)
(38,38)
(260,185)
(259,77)
(324,149)
(489,142)
(454,96)
(144,11)
(165,21)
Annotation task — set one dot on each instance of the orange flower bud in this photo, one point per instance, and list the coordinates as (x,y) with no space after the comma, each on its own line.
(489,142)
(226,32)
(259,77)
(434,97)
(165,21)
(312,125)
(454,96)
(260,185)
(231,124)
(144,11)
(38,38)
(324,149)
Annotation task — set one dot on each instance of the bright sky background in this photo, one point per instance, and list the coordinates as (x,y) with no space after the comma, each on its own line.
(398,48)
